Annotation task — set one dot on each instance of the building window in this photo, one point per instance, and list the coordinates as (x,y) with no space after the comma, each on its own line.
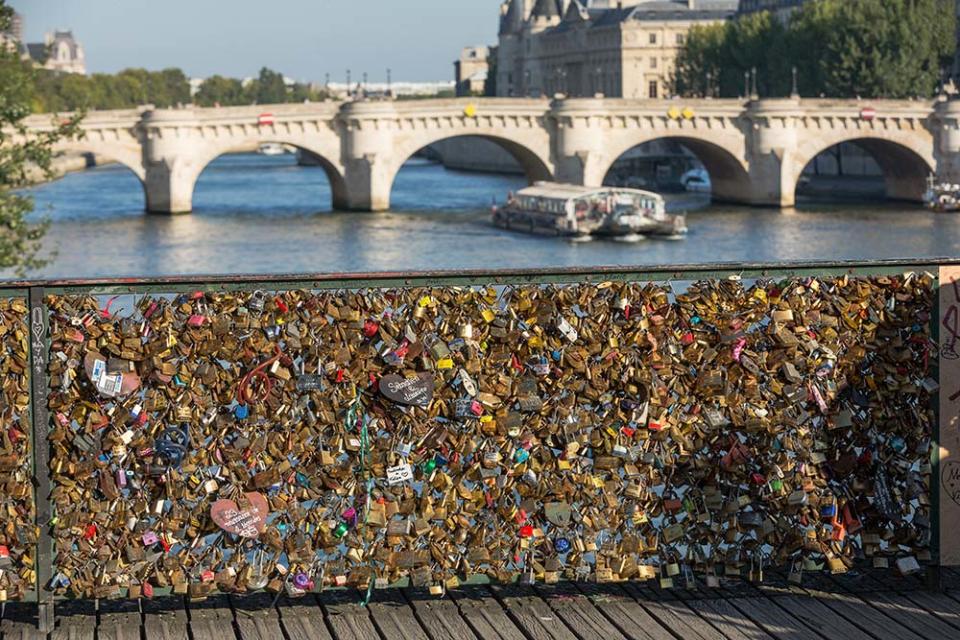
(652,93)
(653,38)
(653,63)
(681,39)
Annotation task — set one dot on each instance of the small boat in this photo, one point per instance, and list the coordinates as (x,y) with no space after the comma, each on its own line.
(941,195)
(272,149)
(552,208)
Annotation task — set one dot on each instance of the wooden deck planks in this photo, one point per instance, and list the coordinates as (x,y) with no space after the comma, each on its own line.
(850,607)
(256,617)
(939,604)
(165,618)
(531,614)
(773,620)
(579,613)
(682,620)
(348,620)
(119,620)
(439,616)
(393,616)
(302,619)
(909,614)
(74,620)
(875,623)
(485,616)
(820,618)
(727,620)
(212,619)
(20,622)
(625,613)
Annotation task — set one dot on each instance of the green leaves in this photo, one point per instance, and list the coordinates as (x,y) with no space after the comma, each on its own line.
(22,153)
(841,48)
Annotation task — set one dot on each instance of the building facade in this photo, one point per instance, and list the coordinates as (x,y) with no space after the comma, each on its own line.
(470,71)
(59,51)
(622,48)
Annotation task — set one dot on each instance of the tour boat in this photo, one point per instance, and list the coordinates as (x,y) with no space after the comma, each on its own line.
(272,149)
(941,195)
(569,210)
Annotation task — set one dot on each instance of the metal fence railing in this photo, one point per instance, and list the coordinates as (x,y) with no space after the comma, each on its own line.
(294,433)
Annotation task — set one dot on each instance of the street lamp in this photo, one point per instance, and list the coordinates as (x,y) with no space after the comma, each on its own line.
(746,84)
(707,89)
(795,92)
(349,85)
(754,94)
(389,83)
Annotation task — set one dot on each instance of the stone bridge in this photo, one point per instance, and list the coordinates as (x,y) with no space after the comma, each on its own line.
(754,150)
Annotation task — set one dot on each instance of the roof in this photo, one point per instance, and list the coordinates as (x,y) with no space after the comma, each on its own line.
(557,190)
(661,10)
(36,50)
(576,12)
(512,18)
(546,9)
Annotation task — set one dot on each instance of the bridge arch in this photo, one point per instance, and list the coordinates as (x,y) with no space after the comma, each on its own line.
(534,162)
(129,156)
(318,153)
(904,161)
(722,158)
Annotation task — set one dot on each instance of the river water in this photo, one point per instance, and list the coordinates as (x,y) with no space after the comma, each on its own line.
(258,214)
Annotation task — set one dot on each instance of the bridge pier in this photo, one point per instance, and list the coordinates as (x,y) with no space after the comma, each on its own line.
(168,189)
(367,186)
(170,156)
(948,144)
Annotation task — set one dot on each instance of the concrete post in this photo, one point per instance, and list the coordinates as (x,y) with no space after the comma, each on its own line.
(772,144)
(170,151)
(578,141)
(367,138)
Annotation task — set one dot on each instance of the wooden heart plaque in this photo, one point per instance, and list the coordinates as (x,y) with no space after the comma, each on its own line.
(247,522)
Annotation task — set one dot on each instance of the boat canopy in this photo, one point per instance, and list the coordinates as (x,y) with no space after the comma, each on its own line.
(561,191)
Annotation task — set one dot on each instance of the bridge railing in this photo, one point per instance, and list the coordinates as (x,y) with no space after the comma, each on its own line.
(680,424)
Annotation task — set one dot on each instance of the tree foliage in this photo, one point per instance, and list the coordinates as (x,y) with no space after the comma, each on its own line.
(167,88)
(840,48)
(21,151)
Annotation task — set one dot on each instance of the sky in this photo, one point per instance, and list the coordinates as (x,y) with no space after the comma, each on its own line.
(304,39)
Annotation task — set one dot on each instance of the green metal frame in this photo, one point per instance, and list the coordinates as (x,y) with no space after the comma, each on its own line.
(33,292)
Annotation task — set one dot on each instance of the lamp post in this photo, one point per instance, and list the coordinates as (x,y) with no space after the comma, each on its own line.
(707,89)
(753,85)
(746,84)
(349,85)
(795,91)
(389,83)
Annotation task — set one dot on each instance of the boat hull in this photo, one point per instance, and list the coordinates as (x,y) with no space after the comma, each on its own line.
(546,224)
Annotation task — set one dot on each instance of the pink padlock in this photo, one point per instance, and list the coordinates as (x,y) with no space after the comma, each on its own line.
(150,539)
